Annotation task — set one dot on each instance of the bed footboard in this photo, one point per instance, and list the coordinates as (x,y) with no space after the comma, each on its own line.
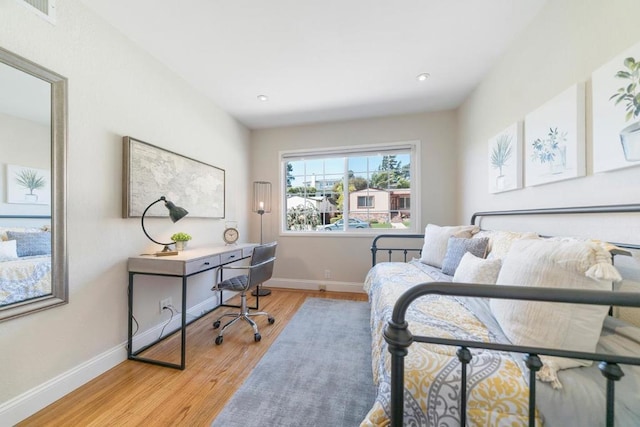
(399,338)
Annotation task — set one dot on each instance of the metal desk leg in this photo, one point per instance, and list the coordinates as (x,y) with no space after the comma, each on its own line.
(130,334)
(183,350)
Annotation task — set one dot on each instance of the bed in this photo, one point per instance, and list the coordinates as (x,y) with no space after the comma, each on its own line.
(25,263)
(444,352)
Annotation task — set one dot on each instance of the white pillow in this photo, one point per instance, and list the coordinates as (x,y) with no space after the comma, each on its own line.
(8,250)
(554,264)
(477,270)
(500,241)
(436,239)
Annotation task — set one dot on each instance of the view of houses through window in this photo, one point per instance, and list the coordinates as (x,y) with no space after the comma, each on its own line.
(349,191)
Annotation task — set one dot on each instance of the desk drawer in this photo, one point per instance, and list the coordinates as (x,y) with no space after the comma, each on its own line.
(230,256)
(201,264)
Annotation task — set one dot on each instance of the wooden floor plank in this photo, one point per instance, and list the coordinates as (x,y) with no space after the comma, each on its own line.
(140,394)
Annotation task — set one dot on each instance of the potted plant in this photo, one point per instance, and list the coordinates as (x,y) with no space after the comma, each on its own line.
(500,154)
(29,179)
(181,240)
(551,150)
(629,94)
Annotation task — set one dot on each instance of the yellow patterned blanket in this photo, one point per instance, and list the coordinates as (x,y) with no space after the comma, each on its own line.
(498,391)
(24,278)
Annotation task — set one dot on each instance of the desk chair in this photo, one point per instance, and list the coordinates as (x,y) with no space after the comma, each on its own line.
(259,271)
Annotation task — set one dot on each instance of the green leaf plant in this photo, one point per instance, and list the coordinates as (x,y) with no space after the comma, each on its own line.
(28,178)
(501,152)
(181,237)
(630,93)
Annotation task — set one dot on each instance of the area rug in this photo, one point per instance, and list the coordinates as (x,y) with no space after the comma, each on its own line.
(316,373)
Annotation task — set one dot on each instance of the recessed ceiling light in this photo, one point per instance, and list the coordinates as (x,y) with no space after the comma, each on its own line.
(263,98)
(422,77)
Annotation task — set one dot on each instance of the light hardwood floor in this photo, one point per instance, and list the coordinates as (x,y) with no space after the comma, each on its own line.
(140,394)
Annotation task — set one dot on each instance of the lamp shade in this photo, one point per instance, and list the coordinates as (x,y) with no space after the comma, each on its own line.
(261,196)
(175,213)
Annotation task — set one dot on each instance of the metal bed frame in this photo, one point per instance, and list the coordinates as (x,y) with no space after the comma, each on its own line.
(399,338)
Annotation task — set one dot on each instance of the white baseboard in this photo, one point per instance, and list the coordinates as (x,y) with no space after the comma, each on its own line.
(30,402)
(23,406)
(315,285)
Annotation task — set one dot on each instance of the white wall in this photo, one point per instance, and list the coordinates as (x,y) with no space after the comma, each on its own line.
(115,89)
(25,143)
(302,260)
(562,46)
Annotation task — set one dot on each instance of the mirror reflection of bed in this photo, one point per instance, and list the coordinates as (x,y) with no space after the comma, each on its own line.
(25,261)
(25,187)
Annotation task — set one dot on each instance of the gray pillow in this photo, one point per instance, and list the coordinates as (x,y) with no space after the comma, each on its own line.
(30,244)
(457,247)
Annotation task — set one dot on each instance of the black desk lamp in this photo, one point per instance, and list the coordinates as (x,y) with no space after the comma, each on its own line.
(176,213)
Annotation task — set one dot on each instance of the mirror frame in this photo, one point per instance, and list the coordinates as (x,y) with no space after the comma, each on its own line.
(59,115)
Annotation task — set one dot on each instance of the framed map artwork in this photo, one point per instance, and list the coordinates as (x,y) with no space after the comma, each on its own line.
(150,172)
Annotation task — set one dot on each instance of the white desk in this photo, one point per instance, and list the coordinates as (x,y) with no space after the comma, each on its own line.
(184,265)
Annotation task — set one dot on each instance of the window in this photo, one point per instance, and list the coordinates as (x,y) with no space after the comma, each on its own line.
(351,189)
(365,202)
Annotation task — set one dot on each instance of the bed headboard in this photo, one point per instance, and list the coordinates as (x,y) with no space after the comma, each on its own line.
(616,224)
(582,218)
(24,220)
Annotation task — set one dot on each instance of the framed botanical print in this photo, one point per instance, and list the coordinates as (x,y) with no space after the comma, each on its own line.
(555,139)
(616,112)
(505,159)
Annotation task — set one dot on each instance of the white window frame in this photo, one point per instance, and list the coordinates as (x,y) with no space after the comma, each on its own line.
(414,148)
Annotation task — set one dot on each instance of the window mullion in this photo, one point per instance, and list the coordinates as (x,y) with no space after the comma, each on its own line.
(345,191)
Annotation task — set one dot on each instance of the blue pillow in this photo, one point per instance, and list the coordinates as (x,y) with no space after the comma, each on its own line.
(457,247)
(31,244)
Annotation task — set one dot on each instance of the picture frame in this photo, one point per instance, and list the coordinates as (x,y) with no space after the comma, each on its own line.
(27,185)
(505,159)
(555,139)
(616,118)
(150,172)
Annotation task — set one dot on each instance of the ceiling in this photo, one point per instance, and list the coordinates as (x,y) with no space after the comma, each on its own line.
(323,60)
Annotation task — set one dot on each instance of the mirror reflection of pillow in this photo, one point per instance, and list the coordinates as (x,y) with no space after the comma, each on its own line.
(8,251)
(5,230)
(31,244)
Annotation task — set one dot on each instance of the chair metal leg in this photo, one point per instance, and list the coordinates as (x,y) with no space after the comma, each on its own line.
(244,314)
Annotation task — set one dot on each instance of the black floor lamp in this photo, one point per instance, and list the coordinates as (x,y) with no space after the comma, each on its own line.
(176,213)
(261,205)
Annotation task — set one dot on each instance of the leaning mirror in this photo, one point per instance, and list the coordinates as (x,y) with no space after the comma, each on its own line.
(33,141)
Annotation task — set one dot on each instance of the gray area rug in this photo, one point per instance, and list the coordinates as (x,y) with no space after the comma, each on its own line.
(316,373)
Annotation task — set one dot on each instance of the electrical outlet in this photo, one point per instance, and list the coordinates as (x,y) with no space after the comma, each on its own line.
(327,274)
(165,303)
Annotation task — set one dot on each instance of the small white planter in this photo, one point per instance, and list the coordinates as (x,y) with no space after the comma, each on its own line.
(181,245)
